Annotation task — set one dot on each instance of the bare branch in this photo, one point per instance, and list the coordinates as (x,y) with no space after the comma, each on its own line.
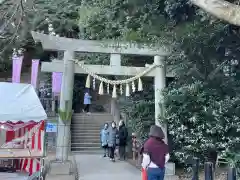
(11,23)
(215,71)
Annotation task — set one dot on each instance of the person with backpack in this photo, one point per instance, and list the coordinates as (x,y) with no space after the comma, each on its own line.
(155,154)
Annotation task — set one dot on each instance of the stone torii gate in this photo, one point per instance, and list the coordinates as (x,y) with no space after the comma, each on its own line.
(67,66)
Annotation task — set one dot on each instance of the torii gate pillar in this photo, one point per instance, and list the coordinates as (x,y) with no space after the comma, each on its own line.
(63,138)
(159,85)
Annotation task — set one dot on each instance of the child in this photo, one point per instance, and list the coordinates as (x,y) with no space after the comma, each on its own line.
(104,134)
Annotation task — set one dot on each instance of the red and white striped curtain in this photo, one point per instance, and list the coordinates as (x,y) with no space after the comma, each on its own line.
(35,137)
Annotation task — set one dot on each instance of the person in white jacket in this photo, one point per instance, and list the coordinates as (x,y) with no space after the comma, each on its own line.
(155,154)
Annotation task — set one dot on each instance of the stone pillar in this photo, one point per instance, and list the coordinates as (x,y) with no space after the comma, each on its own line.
(53,104)
(66,95)
(160,83)
(115,62)
(115,110)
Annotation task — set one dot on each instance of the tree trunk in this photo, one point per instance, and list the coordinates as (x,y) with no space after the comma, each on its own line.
(221,9)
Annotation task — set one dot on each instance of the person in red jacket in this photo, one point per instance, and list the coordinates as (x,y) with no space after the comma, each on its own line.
(155,154)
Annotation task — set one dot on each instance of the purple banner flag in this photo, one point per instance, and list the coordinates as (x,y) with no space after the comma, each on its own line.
(56,82)
(34,73)
(16,68)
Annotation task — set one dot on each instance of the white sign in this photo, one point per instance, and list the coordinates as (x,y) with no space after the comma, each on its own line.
(51,127)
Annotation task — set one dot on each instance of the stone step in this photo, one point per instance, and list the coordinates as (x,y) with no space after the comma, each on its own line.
(90,125)
(79,133)
(86,144)
(86,116)
(75,140)
(82,140)
(86,149)
(85,141)
(86,138)
(92,114)
(95,118)
(85,135)
(85,130)
(90,131)
(86,127)
(90,121)
(86,123)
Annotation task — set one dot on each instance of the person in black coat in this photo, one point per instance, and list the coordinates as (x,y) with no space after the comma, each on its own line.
(123,135)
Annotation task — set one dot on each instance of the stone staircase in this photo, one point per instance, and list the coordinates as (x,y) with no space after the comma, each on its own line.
(85,131)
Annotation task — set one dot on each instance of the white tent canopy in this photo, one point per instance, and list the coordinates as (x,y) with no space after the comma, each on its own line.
(19,102)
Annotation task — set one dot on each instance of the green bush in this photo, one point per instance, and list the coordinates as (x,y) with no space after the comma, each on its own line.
(139,110)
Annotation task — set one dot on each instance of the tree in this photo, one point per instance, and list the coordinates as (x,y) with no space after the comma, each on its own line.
(201,122)
(202,103)
(221,9)
(141,114)
(19,18)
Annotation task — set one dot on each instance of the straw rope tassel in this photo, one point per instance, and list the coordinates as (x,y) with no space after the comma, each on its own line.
(133,87)
(114,93)
(88,83)
(140,85)
(121,89)
(100,91)
(108,88)
(94,83)
(127,90)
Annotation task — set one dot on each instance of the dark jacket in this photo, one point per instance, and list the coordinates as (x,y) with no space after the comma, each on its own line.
(112,137)
(155,146)
(123,135)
